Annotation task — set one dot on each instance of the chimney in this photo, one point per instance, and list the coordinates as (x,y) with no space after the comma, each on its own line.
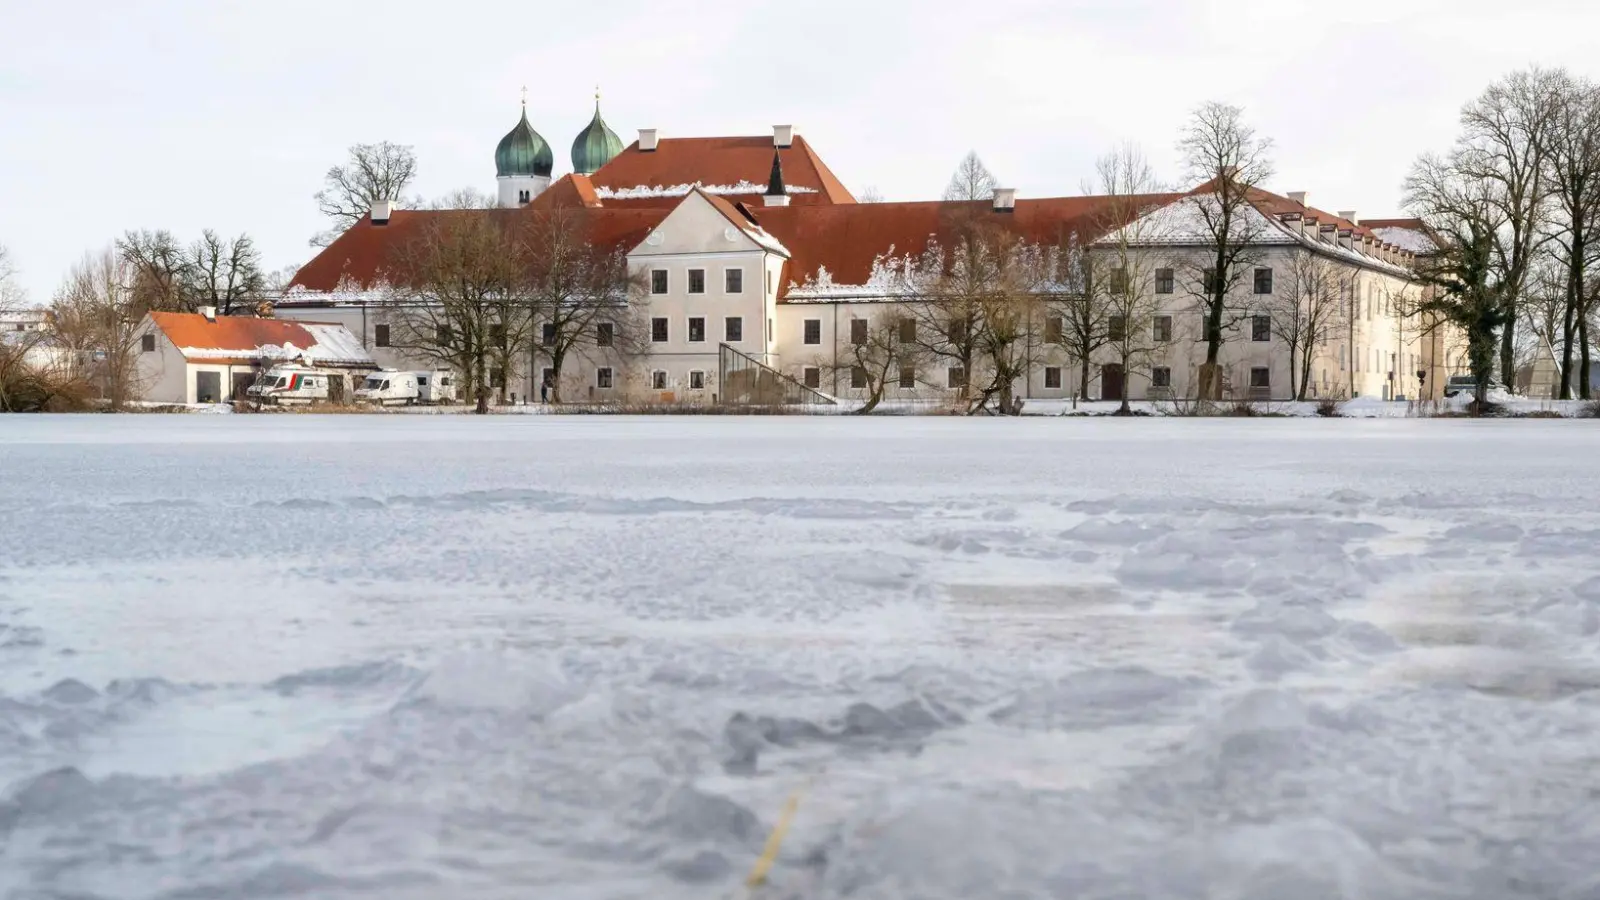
(1349,215)
(1005,200)
(210,312)
(783,136)
(647,140)
(1298,197)
(381,211)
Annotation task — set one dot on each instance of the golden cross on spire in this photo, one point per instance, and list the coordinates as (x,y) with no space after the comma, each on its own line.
(597,96)
(524,96)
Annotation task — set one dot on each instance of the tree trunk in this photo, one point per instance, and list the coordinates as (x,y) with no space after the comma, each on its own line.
(1574,291)
(1508,348)
(1083,379)
(1584,372)
(482,380)
(1293,372)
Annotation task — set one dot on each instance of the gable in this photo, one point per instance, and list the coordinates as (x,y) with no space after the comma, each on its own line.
(701,224)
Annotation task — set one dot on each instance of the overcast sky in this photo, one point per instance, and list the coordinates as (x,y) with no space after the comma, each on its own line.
(187,114)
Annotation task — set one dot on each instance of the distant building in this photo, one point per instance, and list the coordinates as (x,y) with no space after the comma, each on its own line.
(205,358)
(754,243)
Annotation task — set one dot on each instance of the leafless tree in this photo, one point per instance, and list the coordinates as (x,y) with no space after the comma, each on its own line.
(871,353)
(583,298)
(1126,260)
(1309,307)
(1080,320)
(972,180)
(157,268)
(463,198)
(1573,174)
(1466,211)
(1229,161)
(870,194)
(1506,133)
(459,295)
(373,172)
(11,295)
(213,271)
(96,316)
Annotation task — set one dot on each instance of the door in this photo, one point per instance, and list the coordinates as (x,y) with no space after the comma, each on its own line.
(336,390)
(1112,382)
(241,383)
(208,387)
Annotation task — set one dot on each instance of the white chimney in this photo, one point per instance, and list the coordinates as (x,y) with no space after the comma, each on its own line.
(1349,215)
(1005,200)
(210,312)
(783,136)
(774,200)
(381,211)
(1298,197)
(647,140)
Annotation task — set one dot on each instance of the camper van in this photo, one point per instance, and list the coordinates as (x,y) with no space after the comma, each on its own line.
(389,388)
(292,385)
(438,386)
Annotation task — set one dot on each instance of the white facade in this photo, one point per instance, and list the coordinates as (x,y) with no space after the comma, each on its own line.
(519,190)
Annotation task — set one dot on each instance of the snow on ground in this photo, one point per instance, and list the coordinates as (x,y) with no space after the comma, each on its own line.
(591,657)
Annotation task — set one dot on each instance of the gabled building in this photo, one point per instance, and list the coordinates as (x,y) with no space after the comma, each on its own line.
(754,243)
(205,358)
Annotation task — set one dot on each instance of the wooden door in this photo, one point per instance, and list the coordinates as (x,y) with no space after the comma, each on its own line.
(1112,382)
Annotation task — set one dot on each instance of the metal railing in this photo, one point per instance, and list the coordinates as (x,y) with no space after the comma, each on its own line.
(747,381)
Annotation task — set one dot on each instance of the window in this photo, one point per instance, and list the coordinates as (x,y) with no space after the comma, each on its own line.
(1119,281)
(1163,329)
(957,377)
(547,377)
(858,377)
(1160,377)
(497,335)
(813,377)
(697,281)
(547,334)
(769,287)
(1204,330)
(380,336)
(697,380)
(443,336)
(1164,281)
(908,375)
(658,281)
(1054,330)
(658,330)
(1116,328)
(602,377)
(769,331)
(957,331)
(524,196)
(697,330)
(1052,377)
(1263,281)
(908,331)
(858,332)
(1260,328)
(604,334)
(1208,280)
(813,334)
(733,329)
(1260,377)
(733,281)
(658,380)
(497,378)
(147,343)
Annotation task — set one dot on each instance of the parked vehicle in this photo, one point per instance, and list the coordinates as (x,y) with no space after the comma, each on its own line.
(389,388)
(292,385)
(438,386)
(1466,385)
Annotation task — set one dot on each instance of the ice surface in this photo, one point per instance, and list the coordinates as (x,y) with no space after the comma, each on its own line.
(591,657)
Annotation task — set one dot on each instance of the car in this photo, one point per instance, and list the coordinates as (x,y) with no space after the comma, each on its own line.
(1468,385)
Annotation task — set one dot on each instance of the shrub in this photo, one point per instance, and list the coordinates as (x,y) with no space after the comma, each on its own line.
(1329,408)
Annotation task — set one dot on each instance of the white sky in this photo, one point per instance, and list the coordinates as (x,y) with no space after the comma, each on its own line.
(184,114)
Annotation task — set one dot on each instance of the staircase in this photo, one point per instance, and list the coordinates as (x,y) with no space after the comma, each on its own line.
(747,381)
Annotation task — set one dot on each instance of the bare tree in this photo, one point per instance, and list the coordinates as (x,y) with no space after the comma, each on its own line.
(1507,133)
(972,180)
(11,296)
(871,353)
(224,274)
(1229,161)
(583,298)
(373,172)
(870,194)
(96,315)
(1465,210)
(1126,262)
(463,198)
(458,293)
(1573,225)
(157,268)
(1083,317)
(1309,307)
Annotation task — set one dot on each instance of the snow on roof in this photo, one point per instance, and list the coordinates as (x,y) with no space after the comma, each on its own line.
(644,191)
(1408,239)
(250,338)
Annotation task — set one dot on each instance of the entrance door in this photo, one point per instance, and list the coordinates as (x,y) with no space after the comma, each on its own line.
(208,387)
(241,383)
(336,389)
(1112,382)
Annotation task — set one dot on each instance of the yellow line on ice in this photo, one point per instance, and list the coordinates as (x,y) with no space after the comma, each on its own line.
(769,853)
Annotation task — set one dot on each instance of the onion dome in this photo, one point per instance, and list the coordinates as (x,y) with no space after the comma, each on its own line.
(596,145)
(523,152)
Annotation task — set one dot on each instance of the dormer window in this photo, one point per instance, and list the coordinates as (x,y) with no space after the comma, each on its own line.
(524,197)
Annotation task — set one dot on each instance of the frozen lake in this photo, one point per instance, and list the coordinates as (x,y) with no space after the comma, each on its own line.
(401,657)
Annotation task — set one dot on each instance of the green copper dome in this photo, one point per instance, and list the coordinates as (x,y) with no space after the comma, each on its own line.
(595,145)
(523,152)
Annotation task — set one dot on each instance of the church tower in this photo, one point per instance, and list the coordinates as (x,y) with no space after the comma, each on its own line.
(523,163)
(595,145)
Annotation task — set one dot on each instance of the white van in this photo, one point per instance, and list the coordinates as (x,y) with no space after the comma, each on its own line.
(389,388)
(438,386)
(291,385)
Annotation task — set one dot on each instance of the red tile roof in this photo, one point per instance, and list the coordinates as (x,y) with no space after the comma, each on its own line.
(721,161)
(246,339)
